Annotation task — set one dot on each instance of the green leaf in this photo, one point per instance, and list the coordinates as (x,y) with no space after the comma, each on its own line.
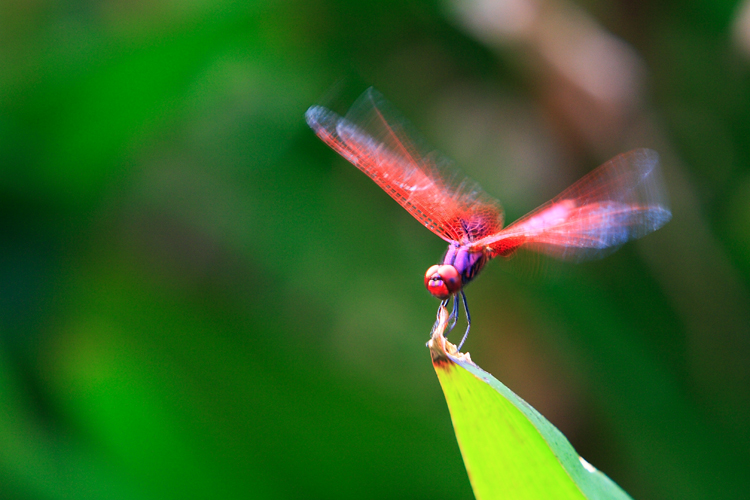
(510,450)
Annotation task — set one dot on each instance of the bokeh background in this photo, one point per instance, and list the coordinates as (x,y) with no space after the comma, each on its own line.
(199,299)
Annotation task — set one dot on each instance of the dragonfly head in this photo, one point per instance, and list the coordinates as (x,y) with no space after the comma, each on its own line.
(442,281)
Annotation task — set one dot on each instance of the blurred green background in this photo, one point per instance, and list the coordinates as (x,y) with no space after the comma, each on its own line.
(199,299)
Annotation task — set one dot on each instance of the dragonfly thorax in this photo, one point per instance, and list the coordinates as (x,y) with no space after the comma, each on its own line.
(458,268)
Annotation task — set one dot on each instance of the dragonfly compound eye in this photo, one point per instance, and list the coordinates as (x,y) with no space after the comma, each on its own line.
(442,281)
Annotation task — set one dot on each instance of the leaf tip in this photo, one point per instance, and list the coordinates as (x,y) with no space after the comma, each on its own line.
(444,353)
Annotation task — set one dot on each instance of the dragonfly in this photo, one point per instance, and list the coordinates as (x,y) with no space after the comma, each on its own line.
(621,200)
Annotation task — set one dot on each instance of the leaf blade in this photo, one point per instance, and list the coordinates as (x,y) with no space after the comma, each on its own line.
(509,449)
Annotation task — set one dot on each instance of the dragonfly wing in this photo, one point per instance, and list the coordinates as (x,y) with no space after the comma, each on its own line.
(621,200)
(374,138)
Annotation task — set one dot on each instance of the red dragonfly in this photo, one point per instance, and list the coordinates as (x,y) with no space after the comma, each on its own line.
(621,200)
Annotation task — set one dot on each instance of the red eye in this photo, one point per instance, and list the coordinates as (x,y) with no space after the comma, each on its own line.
(442,281)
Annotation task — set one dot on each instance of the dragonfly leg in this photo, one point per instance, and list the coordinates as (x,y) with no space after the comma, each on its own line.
(453,317)
(443,303)
(468,318)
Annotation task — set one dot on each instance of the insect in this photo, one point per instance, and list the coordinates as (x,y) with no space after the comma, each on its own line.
(621,200)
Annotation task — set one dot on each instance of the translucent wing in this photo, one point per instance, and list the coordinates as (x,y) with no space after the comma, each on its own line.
(374,138)
(621,200)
